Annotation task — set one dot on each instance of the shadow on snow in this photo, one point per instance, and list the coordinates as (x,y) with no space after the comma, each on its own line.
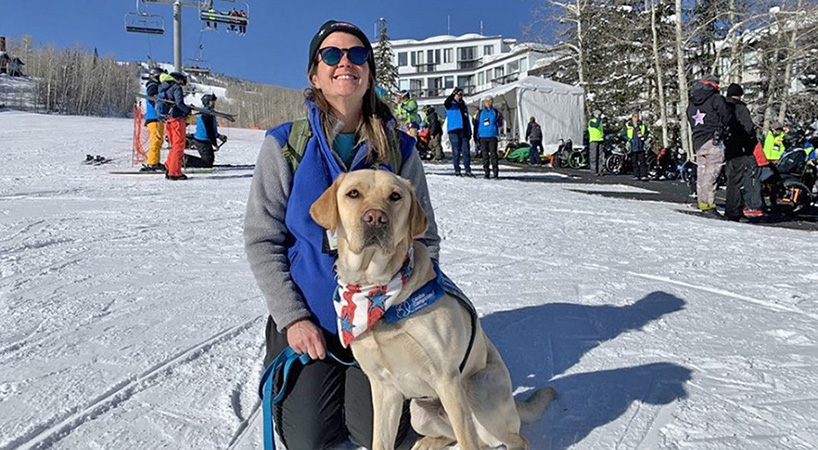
(539,343)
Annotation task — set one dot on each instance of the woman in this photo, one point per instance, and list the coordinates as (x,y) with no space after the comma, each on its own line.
(290,255)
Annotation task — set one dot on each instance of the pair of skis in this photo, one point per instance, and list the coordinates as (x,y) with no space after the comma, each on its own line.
(223,115)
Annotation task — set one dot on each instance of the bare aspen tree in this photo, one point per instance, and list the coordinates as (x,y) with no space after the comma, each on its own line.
(660,83)
(687,145)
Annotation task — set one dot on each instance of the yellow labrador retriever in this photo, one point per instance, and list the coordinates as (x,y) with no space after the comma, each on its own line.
(376,217)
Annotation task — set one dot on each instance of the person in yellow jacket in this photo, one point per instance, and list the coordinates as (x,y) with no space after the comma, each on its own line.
(774,142)
(596,135)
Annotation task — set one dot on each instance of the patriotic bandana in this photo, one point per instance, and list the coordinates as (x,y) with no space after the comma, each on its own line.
(360,307)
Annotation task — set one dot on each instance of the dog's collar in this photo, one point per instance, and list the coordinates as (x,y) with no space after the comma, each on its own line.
(359,307)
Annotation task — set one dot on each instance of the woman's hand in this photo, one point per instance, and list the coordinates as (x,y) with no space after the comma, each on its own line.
(305,337)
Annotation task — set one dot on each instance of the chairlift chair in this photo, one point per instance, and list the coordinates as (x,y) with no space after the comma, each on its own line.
(196,66)
(139,22)
(206,15)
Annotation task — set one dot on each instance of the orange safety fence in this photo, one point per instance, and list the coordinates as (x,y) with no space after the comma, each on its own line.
(141,136)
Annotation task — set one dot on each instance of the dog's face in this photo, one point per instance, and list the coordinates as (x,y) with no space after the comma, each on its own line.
(370,208)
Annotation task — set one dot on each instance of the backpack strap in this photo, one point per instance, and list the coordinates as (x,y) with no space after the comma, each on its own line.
(300,133)
(395,154)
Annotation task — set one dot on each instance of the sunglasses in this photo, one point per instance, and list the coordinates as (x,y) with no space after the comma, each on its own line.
(332,55)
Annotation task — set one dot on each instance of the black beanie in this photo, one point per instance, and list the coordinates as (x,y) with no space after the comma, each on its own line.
(331,26)
(734,90)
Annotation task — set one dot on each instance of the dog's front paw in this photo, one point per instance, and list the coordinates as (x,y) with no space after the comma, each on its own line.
(432,443)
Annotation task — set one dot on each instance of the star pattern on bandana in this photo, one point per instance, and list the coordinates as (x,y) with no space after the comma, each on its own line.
(698,117)
(377,299)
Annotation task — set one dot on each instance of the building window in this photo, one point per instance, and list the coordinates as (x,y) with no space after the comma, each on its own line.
(524,65)
(449,82)
(437,56)
(488,50)
(414,58)
(403,84)
(415,85)
(467,54)
(421,58)
(514,67)
(466,82)
(499,72)
(481,79)
(448,55)
(488,75)
(435,86)
(402,59)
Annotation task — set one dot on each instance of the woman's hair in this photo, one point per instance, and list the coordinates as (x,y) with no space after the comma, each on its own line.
(371,129)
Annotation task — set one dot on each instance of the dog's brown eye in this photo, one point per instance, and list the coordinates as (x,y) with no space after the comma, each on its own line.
(395,196)
(353,193)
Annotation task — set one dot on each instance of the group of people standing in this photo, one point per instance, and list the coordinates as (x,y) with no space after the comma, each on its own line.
(635,134)
(167,113)
(724,133)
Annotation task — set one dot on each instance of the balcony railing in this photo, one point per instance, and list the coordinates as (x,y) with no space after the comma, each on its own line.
(425,67)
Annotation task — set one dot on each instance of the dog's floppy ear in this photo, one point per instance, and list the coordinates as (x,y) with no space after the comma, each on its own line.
(418,222)
(325,210)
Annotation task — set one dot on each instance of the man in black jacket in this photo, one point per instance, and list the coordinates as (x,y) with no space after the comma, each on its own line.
(435,132)
(739,145)
(708,118)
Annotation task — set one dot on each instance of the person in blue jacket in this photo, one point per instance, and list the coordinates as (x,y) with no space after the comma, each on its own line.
(489,122)
(207,133)
(292,257)
(459,129)
(154,122)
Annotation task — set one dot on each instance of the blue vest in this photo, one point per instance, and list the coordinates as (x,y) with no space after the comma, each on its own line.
(150,111)
(487,123)
(454,118)
(201,130)
(310,268)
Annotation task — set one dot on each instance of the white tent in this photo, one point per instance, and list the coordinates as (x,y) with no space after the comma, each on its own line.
(558,108)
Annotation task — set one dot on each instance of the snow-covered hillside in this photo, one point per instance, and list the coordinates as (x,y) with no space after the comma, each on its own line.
(130,319)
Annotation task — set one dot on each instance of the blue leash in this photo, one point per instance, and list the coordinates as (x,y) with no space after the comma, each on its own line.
(285,361)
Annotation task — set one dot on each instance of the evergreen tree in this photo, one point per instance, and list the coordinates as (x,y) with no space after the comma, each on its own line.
(387,76)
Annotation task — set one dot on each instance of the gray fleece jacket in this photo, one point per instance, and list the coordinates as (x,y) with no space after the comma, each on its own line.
(266,237)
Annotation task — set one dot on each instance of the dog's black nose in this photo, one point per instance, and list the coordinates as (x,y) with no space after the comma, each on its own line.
(375,218)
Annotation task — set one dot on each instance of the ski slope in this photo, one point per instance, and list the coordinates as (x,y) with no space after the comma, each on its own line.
(130,318)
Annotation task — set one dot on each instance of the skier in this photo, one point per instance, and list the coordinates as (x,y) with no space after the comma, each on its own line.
(176,124)
(459,129)
(489,123)
(709,120)
(207,132)
(154,123)
(596,135)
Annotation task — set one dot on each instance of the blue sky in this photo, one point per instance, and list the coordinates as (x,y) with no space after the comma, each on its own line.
(274,51)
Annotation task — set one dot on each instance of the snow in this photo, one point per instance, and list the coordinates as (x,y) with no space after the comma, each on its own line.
(131,320)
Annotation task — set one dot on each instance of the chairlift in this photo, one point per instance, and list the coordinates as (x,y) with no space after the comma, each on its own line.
(209,14)
(139,22)
(196,66)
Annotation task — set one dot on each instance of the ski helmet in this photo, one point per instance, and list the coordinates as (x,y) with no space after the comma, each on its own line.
(207,98)
(179,77)
(156,71)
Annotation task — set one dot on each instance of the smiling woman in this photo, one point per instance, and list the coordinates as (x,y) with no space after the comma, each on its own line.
(347,128)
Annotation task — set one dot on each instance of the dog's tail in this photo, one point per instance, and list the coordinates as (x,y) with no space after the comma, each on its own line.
(534,407)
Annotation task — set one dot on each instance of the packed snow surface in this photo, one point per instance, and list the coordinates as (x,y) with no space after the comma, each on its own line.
(130,318)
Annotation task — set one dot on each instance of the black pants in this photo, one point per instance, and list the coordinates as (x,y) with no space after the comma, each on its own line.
(326,402)
(640,167)
(738,169)
(205,149)
(488,147)
(534,151)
